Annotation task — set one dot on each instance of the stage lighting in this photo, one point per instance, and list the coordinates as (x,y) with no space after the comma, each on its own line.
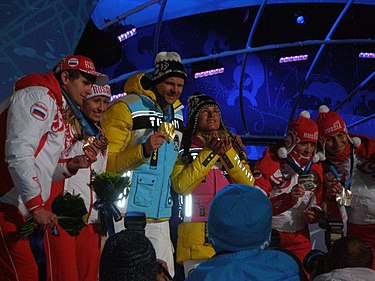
(293,58)
(206,68)
(129,31)
(122,32)
(366,55)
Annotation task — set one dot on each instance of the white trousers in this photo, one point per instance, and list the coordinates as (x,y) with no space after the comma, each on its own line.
(159,235)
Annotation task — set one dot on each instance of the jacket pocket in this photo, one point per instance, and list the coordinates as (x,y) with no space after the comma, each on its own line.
(144,189)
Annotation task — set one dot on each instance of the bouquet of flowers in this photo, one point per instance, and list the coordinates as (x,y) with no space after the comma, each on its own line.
(108,188)
(71,213)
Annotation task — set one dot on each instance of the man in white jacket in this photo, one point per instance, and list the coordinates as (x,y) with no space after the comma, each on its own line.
(31,144)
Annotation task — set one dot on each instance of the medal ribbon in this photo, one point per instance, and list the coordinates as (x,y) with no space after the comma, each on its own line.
(87,126)
(297,168)
(170,116)
(332,169)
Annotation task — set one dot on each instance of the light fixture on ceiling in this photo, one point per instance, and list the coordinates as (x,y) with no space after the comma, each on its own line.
(366,55)
(299,18)
(293,58)
(128,31)
(206,69)
(122,31)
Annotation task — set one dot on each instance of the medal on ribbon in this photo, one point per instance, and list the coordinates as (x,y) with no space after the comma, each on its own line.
(166,127)
(345,198)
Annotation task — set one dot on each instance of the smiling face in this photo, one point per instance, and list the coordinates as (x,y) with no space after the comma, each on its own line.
(78,88)
(169,90)
(94,108)
(306,149)
(209,119)
(336,143)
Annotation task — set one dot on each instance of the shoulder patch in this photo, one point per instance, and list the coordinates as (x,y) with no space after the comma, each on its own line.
(39,111)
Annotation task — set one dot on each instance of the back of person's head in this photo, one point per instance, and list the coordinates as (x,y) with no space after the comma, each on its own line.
(349,252)
(240,218)
(128,255)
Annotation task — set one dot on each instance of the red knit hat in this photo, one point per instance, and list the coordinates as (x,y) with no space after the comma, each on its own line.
(302,129)
(329,124)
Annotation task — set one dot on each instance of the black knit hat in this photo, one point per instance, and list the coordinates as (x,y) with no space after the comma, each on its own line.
(128,255)
(196,103)
(168,64)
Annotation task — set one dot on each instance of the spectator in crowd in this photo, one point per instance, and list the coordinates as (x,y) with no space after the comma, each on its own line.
(292,178)
(348,259)
(239,229)
(144,131)
(212,157)
(81,262)
(31,144)
(130,256)
(348,175)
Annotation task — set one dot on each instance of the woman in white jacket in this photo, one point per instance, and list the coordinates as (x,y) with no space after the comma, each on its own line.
(81,261)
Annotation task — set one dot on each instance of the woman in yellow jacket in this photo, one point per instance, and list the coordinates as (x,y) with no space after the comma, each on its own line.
(211,158)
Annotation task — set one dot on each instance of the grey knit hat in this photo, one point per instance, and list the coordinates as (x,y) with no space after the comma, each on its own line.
(128,255)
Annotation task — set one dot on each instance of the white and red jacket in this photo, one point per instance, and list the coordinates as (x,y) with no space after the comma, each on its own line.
(33,139)
(362,207)
(78,184)
(277,178)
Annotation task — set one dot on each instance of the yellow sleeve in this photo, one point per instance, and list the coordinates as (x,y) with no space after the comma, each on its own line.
(185,178)
(117,124)
(239,171)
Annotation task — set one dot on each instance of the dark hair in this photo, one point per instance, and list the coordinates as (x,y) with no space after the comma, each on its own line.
(75,74)
(349,252)
(128,256)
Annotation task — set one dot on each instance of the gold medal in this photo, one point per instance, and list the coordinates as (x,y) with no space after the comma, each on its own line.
(168,129)
(345,198)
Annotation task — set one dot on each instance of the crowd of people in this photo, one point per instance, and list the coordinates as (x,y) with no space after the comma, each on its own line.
(61,129)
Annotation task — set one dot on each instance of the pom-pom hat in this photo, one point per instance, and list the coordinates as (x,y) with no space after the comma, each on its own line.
(168,64)
(300,130)
(331,123)
(83,64)
(239,218)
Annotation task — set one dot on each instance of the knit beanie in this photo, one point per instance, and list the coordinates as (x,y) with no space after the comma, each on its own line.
(128,255)
(196,103)
(330,123)
(240,218)
(168,64)
(97,90)
(300,130)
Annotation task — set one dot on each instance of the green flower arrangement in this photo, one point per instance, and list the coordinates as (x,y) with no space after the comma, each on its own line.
(108,188)
(71,213)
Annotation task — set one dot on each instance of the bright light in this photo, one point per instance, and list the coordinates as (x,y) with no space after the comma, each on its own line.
(293,58)
(300,20)
(118,96)
(130,33)
(367,55)
(188,206)
(209,73)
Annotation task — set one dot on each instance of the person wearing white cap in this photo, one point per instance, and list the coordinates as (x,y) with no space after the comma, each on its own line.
(81,262)
(292,177)
(144,131)
(31,144)
(349,175)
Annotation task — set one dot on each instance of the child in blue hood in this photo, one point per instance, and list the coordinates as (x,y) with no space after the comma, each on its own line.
(239,229)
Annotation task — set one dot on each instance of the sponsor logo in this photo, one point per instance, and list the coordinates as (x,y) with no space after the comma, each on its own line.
(39,111)
(313,136)
(335,127)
